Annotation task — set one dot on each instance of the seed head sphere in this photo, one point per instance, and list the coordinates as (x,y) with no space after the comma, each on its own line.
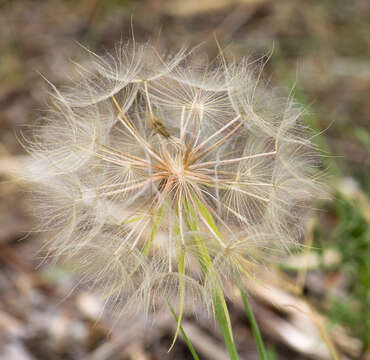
(162,179)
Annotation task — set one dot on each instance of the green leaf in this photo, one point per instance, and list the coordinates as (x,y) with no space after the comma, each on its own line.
(253,322)
(223,320)
(186,339)
(207,216)
(157,223)
(181,269)
(222,313)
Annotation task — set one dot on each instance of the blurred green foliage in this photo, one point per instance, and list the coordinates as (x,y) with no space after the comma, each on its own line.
(351,237)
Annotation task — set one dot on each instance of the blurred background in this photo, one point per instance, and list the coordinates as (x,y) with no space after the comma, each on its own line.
(314,306)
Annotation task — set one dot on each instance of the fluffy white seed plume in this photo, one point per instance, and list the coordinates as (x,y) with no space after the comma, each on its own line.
(161,180)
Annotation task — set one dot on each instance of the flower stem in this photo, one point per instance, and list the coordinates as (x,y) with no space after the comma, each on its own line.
(219,302)
(186,339)
(222,317)
(254,325)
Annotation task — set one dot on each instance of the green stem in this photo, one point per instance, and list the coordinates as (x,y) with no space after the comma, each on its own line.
(186,339)
(221,311)
(224,327)
(253,322)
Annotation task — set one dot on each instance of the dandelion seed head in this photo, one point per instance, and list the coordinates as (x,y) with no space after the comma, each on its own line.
(161,179)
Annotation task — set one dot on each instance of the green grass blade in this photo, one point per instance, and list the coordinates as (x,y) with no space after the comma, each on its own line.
(222,319)
(155,227)
(207,216)
(181,267)
(186,339)
(271,354)
(255,328)
(221,311)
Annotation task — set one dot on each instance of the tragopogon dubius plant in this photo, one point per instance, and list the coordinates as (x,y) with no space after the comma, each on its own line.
(163,179)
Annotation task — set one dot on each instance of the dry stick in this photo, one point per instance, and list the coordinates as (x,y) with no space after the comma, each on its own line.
(109,350)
